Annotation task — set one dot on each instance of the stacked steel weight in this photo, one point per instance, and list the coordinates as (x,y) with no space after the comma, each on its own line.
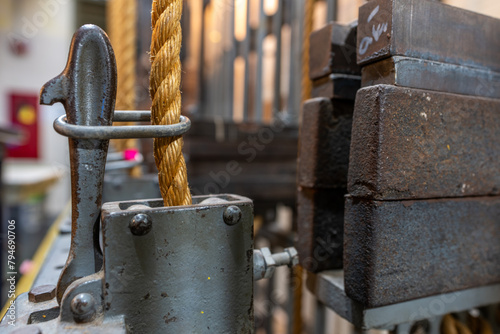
(422,215)
(325,135)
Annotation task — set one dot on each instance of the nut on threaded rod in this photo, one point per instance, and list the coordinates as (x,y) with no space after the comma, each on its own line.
(265,263)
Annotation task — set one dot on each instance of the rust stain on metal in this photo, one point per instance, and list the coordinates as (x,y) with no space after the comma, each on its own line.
(169,319)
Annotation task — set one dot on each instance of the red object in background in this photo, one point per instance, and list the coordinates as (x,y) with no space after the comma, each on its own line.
(18,46)
(24,115)
(130,154)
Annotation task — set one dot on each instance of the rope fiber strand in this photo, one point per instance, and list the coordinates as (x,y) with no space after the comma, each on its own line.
(164,89)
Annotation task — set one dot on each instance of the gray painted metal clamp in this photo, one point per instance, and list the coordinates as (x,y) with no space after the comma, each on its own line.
(122,132)
(87,89)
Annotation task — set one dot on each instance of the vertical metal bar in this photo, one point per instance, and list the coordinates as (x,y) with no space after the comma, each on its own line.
(319,318)
(435,325)
(294,98)
(277,24)
(202,78)
(213,82)
(225,63)
(285,54)
(332,10)
(216,93)
(230,65)
(261,34)
(217,89)
(290,301)
(219,102)
(269,317)
(224,23)
(246,52)
(401,329)
(231,55)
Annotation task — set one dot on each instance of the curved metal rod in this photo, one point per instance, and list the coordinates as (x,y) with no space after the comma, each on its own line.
(121,132)
(132,116)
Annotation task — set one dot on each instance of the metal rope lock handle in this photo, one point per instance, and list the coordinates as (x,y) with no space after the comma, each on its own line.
(87,89)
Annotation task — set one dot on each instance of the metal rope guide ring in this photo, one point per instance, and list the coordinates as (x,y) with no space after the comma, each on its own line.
(122,132)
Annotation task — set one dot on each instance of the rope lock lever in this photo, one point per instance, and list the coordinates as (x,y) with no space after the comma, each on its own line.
(87,89)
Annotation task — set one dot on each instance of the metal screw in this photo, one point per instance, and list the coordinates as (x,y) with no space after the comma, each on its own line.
(232,215)
(83,307)
(141,224)
(42,293)
(294,256)
(27,330)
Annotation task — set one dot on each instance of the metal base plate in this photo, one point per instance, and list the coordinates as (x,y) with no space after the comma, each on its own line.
(328,286)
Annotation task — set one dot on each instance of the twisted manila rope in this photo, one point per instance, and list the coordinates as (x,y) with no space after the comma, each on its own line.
(164,89)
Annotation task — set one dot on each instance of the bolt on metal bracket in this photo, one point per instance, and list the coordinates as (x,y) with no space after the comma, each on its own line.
(265,263)
(184,267)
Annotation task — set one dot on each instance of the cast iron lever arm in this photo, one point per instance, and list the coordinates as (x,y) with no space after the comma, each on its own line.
(87,89)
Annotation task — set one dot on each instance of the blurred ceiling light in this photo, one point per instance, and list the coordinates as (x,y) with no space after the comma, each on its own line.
(240,20)
(270,7)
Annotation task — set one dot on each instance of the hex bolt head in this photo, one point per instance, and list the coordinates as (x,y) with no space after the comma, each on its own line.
(83,307)
(141,224)
(42,293)
(294,256)
(232,215)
